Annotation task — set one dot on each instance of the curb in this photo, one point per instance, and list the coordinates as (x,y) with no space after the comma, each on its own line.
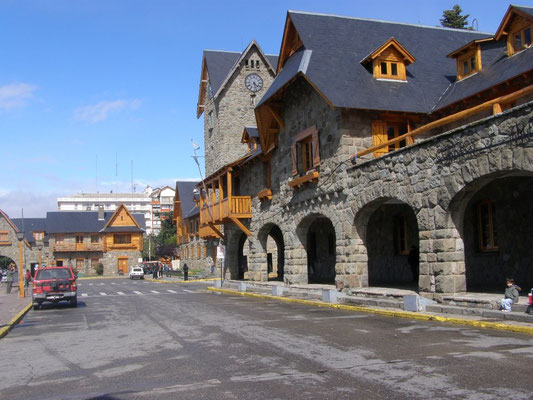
(14,321)
(386,313)
(189,281)
(101,277)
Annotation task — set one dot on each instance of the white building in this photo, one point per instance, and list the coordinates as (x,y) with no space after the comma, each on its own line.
(152,202)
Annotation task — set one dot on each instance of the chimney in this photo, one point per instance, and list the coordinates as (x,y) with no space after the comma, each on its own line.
(100,213)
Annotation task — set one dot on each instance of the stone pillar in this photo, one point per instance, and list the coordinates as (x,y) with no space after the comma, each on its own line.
(442,264)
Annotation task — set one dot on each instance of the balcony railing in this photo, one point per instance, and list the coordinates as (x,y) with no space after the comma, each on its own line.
(58,247)
(235,206)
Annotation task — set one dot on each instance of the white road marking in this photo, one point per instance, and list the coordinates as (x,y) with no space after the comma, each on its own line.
(103,294)
(84,295)
(188,291)
(154,291)
(121,293)
(102,284)
(171,291)
(136,292)
(113,283)
(90,284)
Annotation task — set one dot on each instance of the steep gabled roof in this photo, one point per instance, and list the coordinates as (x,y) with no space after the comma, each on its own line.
(120,208)
(219,66)
(333,46)
(184,191)
(525,12)
(30,225)
(392,42)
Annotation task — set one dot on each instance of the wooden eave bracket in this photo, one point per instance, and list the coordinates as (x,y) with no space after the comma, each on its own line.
(310,176)
(265,194)
(241,226)
(217,232)
(275,111)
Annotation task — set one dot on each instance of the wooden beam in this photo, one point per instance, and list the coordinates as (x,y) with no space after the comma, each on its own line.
(277,116)
(240,225)
(217,232)
(449,119)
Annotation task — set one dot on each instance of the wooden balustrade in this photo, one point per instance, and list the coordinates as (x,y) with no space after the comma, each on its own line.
(59,247)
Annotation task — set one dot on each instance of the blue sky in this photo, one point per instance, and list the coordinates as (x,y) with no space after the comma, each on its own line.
(82,81)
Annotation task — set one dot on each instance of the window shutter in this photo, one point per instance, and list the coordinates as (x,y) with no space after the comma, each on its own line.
(294,159)
(379,135)
(316,149)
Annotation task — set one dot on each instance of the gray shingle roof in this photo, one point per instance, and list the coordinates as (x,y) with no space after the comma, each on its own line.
(334,47)
(185,191)
(30,225)
(528,10)
(82,221)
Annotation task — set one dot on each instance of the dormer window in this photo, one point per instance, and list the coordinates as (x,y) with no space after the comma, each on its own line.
(516,26)
(468,58)
(389,61)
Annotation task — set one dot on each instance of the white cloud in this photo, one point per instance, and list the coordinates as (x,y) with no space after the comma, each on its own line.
(35,205)
(15,95)
(100,111)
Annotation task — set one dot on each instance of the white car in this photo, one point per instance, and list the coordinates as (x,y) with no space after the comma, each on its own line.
(137,273)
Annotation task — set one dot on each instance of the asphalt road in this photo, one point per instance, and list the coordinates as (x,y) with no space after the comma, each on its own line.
(144,340)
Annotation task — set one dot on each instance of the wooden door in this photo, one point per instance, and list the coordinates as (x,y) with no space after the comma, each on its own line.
(123,265)
(80,264)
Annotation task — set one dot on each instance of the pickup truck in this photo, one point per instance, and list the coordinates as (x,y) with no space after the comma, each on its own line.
(54,284)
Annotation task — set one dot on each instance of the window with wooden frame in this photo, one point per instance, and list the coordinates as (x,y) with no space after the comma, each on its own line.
(469,63)
(401,244)
(79,238)
(122,238)
(95,238)
(521,39)
(487,233)
(38,235)
(305,151)
(383,131)
(4,236)
(389,61)
(60,238)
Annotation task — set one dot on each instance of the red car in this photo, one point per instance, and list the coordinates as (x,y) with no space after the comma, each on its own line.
(54,284)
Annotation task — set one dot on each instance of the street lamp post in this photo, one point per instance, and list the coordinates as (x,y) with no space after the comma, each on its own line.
(40,247)
(46,242)
(20,237)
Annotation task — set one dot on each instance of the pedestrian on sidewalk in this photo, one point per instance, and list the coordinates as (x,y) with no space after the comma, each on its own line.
(511,295)
(185,272)
(27,278)
(10,274)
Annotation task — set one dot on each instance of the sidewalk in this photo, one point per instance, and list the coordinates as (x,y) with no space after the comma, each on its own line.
(11,306)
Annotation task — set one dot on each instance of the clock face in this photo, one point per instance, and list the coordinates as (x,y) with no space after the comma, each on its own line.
(253,82)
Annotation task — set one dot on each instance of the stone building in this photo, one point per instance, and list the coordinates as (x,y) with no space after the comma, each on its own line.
(389,153)
(80,239)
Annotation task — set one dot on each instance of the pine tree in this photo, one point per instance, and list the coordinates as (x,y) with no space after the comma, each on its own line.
(454,19)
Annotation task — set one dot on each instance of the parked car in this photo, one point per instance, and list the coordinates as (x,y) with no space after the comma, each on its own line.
(137,273)
(54,284)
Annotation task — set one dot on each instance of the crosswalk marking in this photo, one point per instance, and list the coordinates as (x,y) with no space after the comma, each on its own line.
(137,292)
(188,291)
(113,283)
(121,293)
(84,295)
(171,291)
(154,291)
(103,294)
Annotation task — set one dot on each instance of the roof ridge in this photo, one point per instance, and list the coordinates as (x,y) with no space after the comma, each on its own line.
(389,22)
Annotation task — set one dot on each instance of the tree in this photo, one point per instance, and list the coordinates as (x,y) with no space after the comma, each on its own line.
(166,241)
(453,18)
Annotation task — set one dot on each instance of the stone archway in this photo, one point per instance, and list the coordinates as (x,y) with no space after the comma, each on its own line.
(317,233)
(271,240)
(493,215)
(389,230)
(242,260)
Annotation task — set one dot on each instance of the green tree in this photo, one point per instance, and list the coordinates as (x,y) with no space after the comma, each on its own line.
(453,18)
(166,241)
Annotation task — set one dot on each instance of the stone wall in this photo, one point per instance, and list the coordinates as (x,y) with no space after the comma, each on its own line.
(110,260)
(435,179)
(11,248)
(232,111)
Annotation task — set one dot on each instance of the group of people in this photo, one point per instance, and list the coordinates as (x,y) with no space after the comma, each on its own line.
(10,277)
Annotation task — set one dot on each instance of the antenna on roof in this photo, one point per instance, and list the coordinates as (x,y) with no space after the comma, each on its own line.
(97,173)
(477,25)
(132,189)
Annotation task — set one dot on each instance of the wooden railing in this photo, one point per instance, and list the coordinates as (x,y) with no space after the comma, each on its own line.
(494,104)
(235,206)
(77,247)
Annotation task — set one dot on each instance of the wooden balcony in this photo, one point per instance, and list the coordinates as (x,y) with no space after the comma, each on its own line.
(208,232)
(64,247)
(234,207)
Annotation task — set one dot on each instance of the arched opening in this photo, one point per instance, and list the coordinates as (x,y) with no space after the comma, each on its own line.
(5,262)
(318,236)
(390,234)
(271,239)
(494,217)
(242,261)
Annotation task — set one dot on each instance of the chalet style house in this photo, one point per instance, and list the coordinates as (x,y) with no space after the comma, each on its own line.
(381,154)
(80,239)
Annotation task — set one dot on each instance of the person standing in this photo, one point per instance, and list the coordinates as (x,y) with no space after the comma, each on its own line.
(185,272)
(10,274)
(27,278)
